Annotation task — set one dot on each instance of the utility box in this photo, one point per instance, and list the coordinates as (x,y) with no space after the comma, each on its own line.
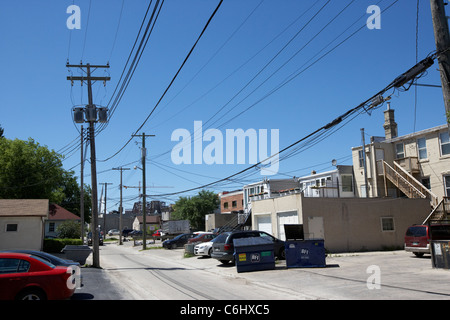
(439,233)
(301,252)
(254,254)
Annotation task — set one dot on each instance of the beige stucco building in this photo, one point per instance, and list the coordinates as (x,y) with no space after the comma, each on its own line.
(22,223)
(345,224)
(415,165)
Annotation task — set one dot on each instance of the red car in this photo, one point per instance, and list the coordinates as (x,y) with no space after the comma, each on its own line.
(203,237)
(27,277)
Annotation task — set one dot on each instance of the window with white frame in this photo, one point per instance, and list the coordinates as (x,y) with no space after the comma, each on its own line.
(361,158)
(445,143)
(399,151)
(387,224)
(422,148)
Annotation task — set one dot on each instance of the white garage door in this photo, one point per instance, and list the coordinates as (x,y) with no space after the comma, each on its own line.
(264,223)
(289,217)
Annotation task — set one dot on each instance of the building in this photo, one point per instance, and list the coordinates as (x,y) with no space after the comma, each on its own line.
(22,223)
(56,216)
(345,224)
(331,184)
(415,165)
(152,223)
(232,201)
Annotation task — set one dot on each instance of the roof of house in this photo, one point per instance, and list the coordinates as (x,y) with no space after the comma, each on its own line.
(56,212)
(23,207)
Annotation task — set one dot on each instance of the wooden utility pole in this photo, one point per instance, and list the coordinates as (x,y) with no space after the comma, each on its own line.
(442,39)
(91,118)
(82,187)
(104,212)
(120,205)
(144,198)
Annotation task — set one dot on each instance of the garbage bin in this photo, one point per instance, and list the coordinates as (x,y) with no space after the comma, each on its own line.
(77,253)
(440,254)
(305,253)
(254,254)
(300,252)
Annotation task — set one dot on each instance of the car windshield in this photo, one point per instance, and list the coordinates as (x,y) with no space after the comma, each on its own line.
(221,237)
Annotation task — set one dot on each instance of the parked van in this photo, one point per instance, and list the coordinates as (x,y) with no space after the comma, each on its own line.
(417,237)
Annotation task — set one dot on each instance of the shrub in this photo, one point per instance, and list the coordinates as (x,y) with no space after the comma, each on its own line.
(56,245)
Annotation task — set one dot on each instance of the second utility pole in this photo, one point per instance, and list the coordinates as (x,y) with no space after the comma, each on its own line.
(144,213)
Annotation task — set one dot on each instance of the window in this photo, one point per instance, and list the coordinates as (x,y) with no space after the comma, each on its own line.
(347,183)
(11,227)
(51,227)
(225,205)
(387,224)
(399,151)
(422,148)
(426,183)
(361,158)
(447,185)
(234,204)
(445,143)
(8,265)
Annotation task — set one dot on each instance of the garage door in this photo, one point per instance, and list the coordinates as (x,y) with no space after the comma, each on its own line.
(289,217)
(264,223)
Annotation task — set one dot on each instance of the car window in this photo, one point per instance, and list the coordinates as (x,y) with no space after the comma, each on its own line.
(9,265)
(221,237)
(418,231)
(266,236)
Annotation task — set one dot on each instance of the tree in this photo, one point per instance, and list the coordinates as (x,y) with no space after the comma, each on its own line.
(31,171)
(69,230)
(196,208)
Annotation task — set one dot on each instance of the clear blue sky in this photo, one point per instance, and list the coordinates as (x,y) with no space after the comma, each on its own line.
(36,99)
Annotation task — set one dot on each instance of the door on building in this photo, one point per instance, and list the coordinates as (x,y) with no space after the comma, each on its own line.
(315,228)
(264,223)
(289,217)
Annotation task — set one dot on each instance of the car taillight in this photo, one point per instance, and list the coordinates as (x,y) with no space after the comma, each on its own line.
(227,247)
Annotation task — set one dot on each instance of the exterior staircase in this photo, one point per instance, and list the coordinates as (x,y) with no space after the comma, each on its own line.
(412,188)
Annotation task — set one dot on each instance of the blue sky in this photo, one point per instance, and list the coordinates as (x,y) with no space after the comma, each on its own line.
(243,37)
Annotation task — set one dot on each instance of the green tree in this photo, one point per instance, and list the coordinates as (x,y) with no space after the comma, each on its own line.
(69,230)
(196,208)
(31,171)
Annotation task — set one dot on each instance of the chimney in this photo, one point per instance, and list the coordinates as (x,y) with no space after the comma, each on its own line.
(390,126)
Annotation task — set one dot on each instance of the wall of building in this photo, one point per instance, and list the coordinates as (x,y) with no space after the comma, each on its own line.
(346,224)
(29,234)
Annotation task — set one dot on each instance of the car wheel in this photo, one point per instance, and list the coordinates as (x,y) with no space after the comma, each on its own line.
(225,261)
(209,252)
(32,294)
(419,254)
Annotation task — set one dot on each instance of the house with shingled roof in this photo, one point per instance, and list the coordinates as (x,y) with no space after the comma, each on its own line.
(56,216)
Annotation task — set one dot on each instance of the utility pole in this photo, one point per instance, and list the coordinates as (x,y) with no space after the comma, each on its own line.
(144,213)
(120,205)
(91,118)
(104,212)
(442,39)
(82,187)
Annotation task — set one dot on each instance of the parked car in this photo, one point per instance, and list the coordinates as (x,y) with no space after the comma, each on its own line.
(113,232)
(178,241)
(157,233)
(417,237)
(27,277)
(135,233)
(125,232)
(57,261)
(89,238)
(223,247)
(202,237)
(204,248)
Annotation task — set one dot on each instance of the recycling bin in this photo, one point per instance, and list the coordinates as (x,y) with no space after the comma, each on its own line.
(77,253)
(253,254)
(305,253)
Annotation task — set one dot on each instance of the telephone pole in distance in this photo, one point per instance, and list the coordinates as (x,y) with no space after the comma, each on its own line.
(120,205)
(144,213)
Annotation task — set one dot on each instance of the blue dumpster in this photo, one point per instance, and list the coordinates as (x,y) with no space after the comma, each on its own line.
(305,253)
(254,254)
